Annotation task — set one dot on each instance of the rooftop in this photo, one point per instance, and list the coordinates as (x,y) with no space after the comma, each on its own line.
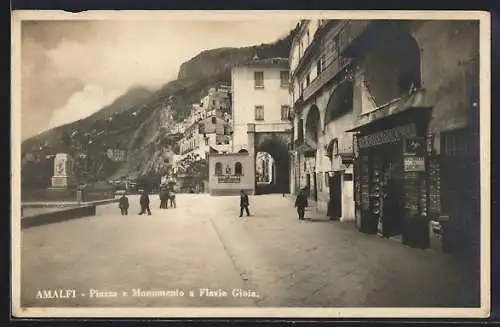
(278,61)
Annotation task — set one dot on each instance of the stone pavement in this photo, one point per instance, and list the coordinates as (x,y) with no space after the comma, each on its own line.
(203,244)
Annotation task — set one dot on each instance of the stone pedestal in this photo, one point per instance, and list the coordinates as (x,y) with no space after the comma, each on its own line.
(62,181)
(63,171)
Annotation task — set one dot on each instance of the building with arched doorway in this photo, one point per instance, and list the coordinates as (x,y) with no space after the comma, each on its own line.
(392,105)
(322,93)
(261,117)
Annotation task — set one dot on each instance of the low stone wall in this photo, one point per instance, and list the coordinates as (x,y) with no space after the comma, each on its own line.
(58,216)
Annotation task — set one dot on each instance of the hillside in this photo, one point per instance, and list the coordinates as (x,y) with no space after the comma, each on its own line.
(137,122)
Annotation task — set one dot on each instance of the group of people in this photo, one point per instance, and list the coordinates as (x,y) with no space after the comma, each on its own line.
(165,196)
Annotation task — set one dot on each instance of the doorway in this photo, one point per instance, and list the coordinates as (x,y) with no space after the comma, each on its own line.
(388,168)
(315,188)
(335,200)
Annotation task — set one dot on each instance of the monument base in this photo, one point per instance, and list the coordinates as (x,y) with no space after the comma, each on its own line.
(59,182)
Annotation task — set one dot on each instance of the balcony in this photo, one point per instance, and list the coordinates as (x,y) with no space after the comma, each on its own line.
(304,144)
(330,72)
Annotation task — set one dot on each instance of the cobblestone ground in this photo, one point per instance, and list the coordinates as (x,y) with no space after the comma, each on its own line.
(204,244)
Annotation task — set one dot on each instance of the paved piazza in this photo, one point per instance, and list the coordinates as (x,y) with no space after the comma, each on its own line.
(203,249)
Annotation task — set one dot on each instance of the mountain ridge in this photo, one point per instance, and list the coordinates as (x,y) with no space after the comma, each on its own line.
(135,120)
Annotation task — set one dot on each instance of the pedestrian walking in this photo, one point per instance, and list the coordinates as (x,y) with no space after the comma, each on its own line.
(301,204)
(144,202)
(244,203)
(123,204)
(171,197)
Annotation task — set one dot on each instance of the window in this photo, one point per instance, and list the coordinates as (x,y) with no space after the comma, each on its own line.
(213,102)
(201,129)
(238,169)
(206,140)
(335,147)
(214,120)
(259,112)
(218,169)
(320,66)
(259,79)
(284,78)
(226,130)
(308,79)
(285,112)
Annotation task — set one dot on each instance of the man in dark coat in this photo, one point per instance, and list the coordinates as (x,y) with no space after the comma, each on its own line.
(144,202)
(123,205)
(244,203)
(164,198)
(301,204)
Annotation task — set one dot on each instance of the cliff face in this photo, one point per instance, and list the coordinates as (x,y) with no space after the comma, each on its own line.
(212,62)
(138,117)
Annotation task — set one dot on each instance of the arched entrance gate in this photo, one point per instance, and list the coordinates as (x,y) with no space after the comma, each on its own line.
(275,144)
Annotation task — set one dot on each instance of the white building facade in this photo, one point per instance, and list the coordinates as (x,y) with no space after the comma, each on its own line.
(259,96)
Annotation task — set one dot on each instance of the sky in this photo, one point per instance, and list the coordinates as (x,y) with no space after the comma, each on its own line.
(70,69)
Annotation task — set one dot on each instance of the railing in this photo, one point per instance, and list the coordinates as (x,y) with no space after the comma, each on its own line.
(326,75)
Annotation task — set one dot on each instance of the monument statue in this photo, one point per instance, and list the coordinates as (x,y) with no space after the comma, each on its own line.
(63,171)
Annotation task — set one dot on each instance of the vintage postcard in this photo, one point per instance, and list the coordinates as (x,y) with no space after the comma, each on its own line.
(251,164)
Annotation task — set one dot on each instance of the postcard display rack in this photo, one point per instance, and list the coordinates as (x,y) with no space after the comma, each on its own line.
(419,188)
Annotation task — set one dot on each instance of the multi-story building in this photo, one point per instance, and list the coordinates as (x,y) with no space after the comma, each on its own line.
(322,94)
(410,91)
(259,96)
(178,128)
(216,102)
(209,135)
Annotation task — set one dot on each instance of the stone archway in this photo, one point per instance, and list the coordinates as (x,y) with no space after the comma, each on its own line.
(313,121)
(340,102)
(277,147)
(393,69)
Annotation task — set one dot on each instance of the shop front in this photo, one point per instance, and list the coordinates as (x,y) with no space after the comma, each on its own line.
(391,188)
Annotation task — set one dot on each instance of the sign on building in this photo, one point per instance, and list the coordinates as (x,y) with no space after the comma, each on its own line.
(414,164)
(229,179)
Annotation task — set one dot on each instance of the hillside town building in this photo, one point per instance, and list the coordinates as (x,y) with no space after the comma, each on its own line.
(386,126)
(211,134)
